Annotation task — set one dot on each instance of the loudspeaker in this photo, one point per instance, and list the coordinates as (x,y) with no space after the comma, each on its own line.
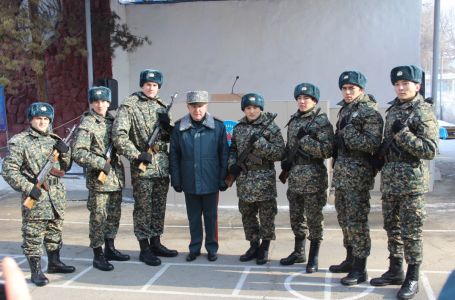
(112,84)
(422,85)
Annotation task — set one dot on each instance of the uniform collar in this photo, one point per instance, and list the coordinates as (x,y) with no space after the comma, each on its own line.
(397,102)
(186,123)
(35,133)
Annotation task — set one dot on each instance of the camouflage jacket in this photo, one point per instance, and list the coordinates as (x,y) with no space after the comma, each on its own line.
(309,175)
(93,139)
(259,183)
(360,139)
(29,152)
(404,173)
(136,118)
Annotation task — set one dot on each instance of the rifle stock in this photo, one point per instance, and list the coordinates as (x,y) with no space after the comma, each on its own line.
(230,180)
(283,176)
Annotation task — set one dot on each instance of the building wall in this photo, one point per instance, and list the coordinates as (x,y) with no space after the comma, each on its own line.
(270,44)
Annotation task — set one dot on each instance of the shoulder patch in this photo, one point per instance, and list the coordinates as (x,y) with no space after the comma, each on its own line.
(130,100)
(16,139)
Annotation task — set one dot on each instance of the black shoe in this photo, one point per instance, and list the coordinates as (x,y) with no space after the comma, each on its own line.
(146,255)
(113,254)
(298,255)
(212,256)
(410,285)
(394,276)
(251,253)
(99,260)
(55,265)
(358,273)
(263,253)
(159,249)
(192,256)
(346,265)
(313,259)
(38,277)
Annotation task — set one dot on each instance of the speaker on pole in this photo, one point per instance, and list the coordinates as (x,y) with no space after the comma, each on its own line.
(112,84)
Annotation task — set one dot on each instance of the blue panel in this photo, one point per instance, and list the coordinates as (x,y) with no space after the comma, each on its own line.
(3,124)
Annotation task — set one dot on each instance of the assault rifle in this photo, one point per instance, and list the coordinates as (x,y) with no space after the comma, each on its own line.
(247,155)
(102,177)
(152,141)
(297,151)
(47,169)
(386,144)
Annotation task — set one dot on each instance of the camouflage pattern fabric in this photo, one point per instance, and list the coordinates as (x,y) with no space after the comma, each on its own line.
(353,175)
(404,216)
(405,177)
(105,211)
(305,212)
(255,229)
(352,209)
(29,151)
(259,183)
(133,126)
(92,141)
(149,206)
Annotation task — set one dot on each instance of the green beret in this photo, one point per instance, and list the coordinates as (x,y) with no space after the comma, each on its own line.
(197,97)
(352,77)
(252,99)
(410,73)
(40,109)
(151,76)
(307,89)
(99,93)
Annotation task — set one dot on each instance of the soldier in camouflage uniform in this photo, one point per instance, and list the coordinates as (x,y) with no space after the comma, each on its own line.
(256,188)
(310,137)
(29,152)
(136,119)
(358,136)
(412,126)
(92,144)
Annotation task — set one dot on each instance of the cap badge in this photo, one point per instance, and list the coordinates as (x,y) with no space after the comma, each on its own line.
(43,108)
(399,73)
(151,75)
(252,99)
(99,92)
(346,77)
(304,88)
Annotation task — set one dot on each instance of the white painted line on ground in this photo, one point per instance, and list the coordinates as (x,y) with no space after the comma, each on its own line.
(77,276)
(155,277)
(328,290)
(427,287)
(239,285)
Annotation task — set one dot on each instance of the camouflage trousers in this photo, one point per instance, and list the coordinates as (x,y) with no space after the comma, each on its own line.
(105,211)
(149,206)
(352,209)
(404,216)
(35,233)
(305,212)
(264,228)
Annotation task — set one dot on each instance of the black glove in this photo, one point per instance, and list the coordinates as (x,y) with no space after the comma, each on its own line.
(61,147)
(302,132)
(397,126)
(286,165)
(343,122)
(145,157)
(164,120)
(178,189)
(235,170)
(107,168)
(223,187)
(254,138)
(377,163)
(35,193)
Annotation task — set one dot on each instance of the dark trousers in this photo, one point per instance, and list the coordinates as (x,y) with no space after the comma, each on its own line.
(196,206)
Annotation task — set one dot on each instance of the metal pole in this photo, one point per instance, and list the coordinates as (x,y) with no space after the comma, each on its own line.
(88,31)
(436,56)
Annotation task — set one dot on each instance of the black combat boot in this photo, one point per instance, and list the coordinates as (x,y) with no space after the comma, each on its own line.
(358,273)
(263,252)
(159,249)
(313,258)
(394,275)
(55,265)
(147,255)
(99,260)
(298,255)
(38,277)
(346,265)
(410,286)
(113,254)
(251,253)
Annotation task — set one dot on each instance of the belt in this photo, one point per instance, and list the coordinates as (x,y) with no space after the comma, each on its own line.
(309,161)
(260,167)
(52,181)
(160,148)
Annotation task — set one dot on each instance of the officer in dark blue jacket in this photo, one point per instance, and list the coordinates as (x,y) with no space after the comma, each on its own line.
(198,167)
